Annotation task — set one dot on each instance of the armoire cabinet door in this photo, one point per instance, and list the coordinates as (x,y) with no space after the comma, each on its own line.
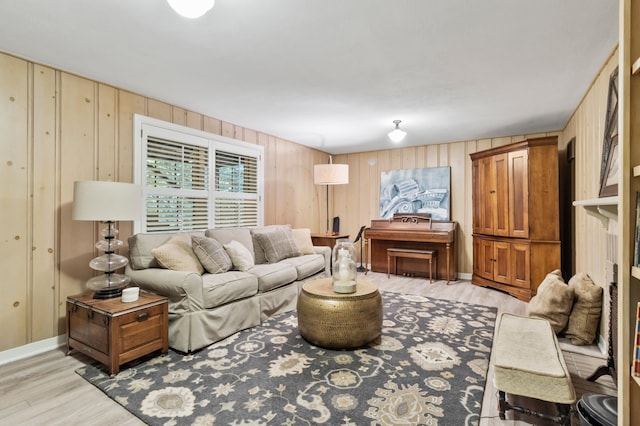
(502,262)
(477,197)
(518,194)
(520,260)
(492,208)
(483,253)
(501,185)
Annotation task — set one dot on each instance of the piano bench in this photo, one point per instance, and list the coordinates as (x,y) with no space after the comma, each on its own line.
(429,255)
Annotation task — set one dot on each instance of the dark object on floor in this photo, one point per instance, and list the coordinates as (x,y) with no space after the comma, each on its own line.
(598,410)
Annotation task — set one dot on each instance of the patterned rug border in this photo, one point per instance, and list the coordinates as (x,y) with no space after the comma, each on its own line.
(421,372)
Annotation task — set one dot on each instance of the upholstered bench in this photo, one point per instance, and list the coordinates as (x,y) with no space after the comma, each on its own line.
(395,253)
(528,362)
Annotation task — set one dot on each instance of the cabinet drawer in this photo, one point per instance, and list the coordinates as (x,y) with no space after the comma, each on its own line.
(141,327)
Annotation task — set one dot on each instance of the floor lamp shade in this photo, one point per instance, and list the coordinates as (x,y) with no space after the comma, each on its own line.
(107,202)
(331,174)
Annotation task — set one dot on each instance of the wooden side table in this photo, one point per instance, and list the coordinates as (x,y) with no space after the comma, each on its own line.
(113,332)
(327,239)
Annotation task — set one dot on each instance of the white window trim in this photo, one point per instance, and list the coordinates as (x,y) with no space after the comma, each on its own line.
(144,126)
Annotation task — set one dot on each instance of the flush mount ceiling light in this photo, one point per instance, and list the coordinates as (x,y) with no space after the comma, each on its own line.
(191,8)
(397,134)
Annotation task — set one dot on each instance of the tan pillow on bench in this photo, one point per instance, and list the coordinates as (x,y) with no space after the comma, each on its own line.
(553,301)
(587,308)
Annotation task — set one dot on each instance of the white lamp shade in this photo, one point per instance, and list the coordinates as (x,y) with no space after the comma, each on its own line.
(191,8)
(331,174)
(106,201)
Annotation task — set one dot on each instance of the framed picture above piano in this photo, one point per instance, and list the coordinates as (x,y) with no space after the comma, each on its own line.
(424,190)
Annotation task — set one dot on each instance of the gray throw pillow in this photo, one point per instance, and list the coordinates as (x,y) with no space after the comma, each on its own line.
(211,254)
(277,244)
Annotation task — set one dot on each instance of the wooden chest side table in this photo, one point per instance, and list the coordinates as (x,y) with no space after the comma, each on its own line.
(113,332)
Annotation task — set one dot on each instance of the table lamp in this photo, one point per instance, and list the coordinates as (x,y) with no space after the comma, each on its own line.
(107,202)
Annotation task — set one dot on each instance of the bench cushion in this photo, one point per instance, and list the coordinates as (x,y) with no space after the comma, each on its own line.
(528,360)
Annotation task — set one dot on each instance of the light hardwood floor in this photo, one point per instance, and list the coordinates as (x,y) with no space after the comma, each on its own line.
(44,389)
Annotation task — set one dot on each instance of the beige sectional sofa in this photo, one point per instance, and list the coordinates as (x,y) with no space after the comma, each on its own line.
(222,281)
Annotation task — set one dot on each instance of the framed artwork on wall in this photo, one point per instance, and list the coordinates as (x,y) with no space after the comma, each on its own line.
(609,164)
(424,190)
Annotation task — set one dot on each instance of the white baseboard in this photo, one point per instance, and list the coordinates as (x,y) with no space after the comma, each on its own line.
(32,349)
(465,276)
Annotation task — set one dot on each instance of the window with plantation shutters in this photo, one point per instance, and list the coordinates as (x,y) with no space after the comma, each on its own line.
(236,189)
(195,181)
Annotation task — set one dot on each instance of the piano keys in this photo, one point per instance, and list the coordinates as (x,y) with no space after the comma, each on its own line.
(412,231)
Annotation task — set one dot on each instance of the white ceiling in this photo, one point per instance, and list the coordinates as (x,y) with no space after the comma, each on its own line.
(334,74)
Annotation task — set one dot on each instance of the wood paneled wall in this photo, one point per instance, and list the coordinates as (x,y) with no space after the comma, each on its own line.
(359,202)
(587,127)
(57,128)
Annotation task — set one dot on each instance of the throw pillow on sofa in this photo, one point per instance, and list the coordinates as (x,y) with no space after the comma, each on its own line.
(587,308)
(277,244)
(553,301)
(302,237)
(241,257)
(177,254)
(211,254)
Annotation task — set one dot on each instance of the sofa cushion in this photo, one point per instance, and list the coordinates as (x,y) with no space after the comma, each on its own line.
(273,275)
(140,246)
(226,235)
(258,251)
(212,255)
(241,257)
(307,265)
(302,237)
(553,301)
(225,287)
(277,244)
(177,255)
(587,308)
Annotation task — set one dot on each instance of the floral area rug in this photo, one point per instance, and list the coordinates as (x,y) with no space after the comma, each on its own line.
(428,368)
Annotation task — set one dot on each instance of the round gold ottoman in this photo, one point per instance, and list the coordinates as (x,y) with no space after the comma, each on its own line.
(339,321)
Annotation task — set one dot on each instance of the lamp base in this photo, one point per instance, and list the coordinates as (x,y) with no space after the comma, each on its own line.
(107,293)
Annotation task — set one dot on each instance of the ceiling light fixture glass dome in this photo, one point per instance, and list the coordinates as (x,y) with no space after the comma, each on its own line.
(397,134)
(191,8)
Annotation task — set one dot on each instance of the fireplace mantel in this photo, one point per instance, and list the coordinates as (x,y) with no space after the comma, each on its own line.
(602,209)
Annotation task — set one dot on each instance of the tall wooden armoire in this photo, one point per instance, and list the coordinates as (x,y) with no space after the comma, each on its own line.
(516,235)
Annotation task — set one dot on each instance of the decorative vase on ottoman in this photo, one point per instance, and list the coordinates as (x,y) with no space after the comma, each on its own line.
(344,267)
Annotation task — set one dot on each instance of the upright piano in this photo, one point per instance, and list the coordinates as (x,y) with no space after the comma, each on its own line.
(412,231)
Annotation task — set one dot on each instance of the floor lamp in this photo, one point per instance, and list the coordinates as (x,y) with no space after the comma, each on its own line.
(330,174)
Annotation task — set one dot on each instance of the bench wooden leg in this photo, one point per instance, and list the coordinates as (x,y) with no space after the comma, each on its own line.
(502,403)
(388,265)
(563,418)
